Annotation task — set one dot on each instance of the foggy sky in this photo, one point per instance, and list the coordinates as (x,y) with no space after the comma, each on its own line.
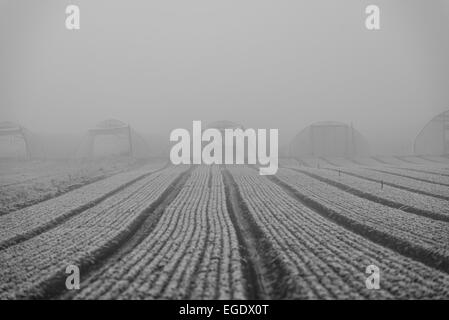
(158,65)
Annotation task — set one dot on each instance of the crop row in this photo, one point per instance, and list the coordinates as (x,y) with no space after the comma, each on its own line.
(399,198)
(420,176)
(421,235)
(19,190)
(193,251)
(400,182)
(15,173)
(33,266)
(432,170)
(322,259)
(438,159)
(425,160)
(22,224)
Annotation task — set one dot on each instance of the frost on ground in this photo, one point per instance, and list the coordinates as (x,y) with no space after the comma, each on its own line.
(204,232)
(24,183)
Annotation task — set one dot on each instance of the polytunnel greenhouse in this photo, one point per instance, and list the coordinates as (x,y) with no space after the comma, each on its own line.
(328,139)
(18,142)
(229,148)
(434,137)
(113,138)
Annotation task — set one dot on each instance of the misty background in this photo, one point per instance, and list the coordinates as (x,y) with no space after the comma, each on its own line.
(159,65)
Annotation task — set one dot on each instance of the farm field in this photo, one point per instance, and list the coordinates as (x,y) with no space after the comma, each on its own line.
(152,231)
(23,183)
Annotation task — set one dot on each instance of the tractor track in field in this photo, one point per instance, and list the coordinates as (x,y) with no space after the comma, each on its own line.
(138,231)
(371,197)
(264,273)
(381,238)
(70,214)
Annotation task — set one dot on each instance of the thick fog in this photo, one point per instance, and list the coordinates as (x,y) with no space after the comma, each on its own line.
(159,65)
